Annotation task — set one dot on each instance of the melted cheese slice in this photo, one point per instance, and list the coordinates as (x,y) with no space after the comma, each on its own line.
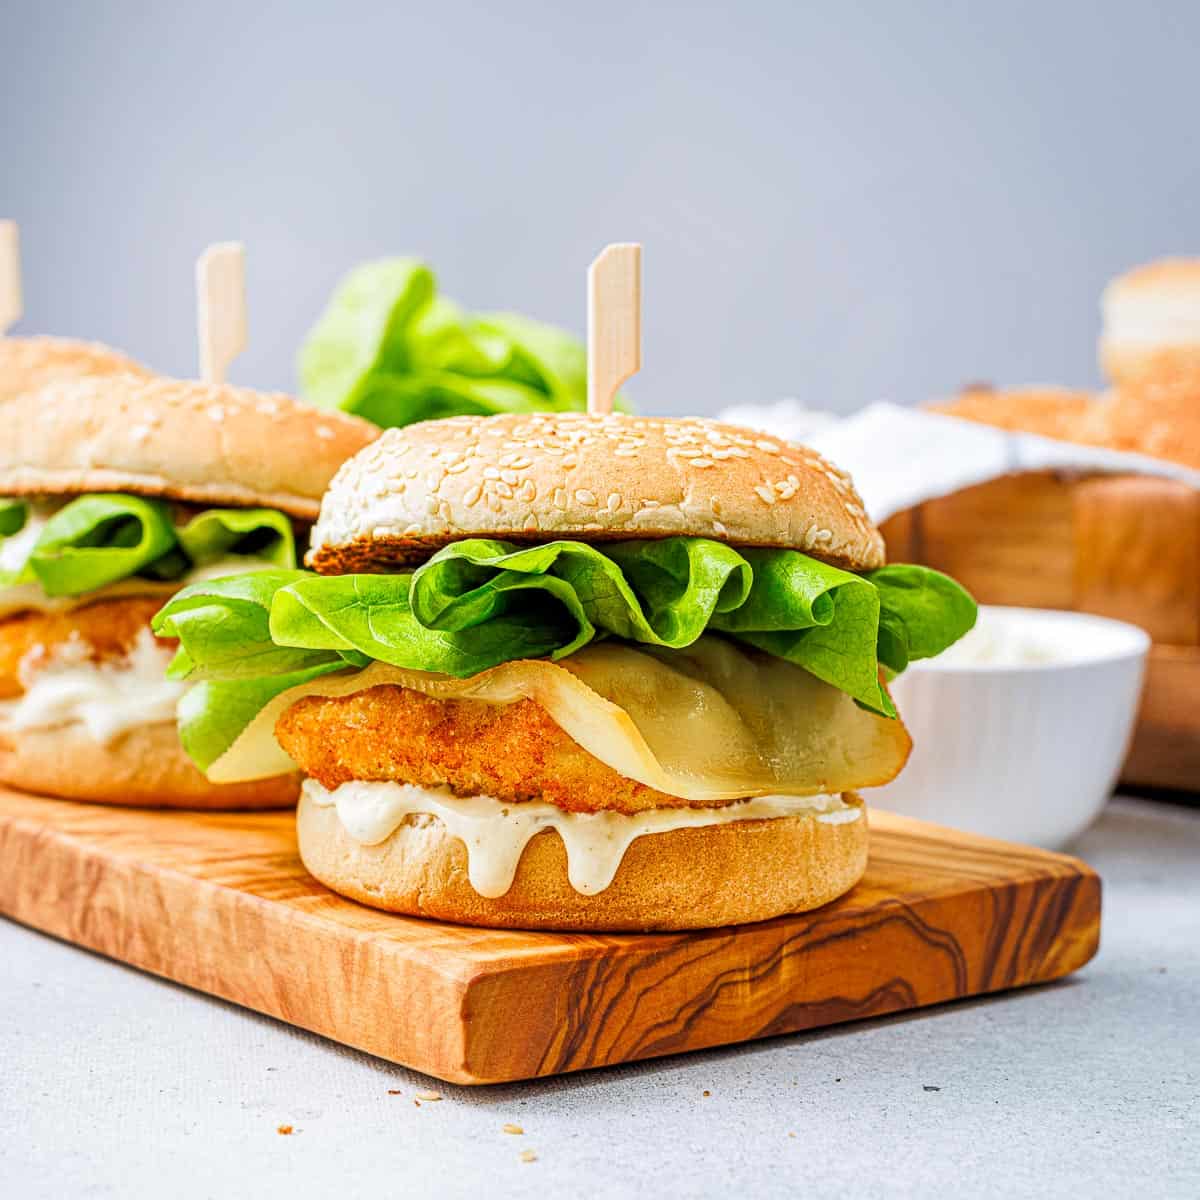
(713,722)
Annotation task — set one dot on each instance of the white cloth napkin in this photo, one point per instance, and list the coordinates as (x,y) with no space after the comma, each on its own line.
(900,457)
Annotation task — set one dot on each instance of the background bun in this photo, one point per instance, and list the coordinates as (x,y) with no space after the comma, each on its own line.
(533,477)
(28,364)
(1150,347)
(145,767)
(1151,323)
(201,442)
(697,878)
(1062,413)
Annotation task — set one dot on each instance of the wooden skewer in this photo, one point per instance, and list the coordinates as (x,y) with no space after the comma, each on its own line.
(11,306)
(614,338)
(220,308)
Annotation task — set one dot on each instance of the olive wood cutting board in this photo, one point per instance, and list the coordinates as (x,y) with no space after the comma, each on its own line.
(220,902)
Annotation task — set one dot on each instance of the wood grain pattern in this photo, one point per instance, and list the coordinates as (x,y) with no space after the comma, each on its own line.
(1126,547)
(1138,555)
(220,902)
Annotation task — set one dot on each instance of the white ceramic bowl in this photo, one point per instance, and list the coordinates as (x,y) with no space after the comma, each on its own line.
(1020,729)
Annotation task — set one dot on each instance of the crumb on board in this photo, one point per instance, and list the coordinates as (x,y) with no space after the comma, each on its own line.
(394,1091)
(929,1087)
(790,1133)
(511,1128)
(706,1092)
(429,1096)
(284,1129)
(527,1156)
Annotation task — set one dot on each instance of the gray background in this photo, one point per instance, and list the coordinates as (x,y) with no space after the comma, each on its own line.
(839,202)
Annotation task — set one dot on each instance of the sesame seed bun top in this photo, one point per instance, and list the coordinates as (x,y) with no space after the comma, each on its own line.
(28,364)
(190,441)
(539,476)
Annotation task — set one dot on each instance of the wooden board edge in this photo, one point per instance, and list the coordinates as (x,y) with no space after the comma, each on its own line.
(1064,939)
(139,914)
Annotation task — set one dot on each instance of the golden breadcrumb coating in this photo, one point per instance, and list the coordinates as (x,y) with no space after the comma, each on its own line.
(511,752)
(104,630)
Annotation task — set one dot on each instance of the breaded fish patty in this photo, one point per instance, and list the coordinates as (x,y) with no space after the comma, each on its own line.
(510,752)
(104,630)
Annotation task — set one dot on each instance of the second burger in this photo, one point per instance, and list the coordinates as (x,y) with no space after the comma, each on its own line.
(116,491)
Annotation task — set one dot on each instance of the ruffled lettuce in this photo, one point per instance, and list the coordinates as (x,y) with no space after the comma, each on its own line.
(102,538)
(390,349)
(479,603)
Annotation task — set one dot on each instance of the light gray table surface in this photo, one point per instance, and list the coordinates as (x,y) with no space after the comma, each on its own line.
(115,1083)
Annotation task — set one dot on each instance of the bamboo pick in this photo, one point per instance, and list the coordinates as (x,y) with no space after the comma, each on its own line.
(220,308)
(11,306)
(614,337)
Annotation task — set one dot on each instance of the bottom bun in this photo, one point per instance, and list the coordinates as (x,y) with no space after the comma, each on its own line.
(693,878)
(146,768)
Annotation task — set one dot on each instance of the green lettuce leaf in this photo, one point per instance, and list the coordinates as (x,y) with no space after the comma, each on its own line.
(479,602)
(922,613)
(212,714)
(370,615)
(263,533)
(96,540)
(13,515)
(388,348)
(223,629)
(102,538)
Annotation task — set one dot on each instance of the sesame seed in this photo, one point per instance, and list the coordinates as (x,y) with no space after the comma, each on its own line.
(614,501)
(325,433)
(765,494)
(502,489)
(473,494)
(703,462)
(528,491)
(586,497)
(560,498)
